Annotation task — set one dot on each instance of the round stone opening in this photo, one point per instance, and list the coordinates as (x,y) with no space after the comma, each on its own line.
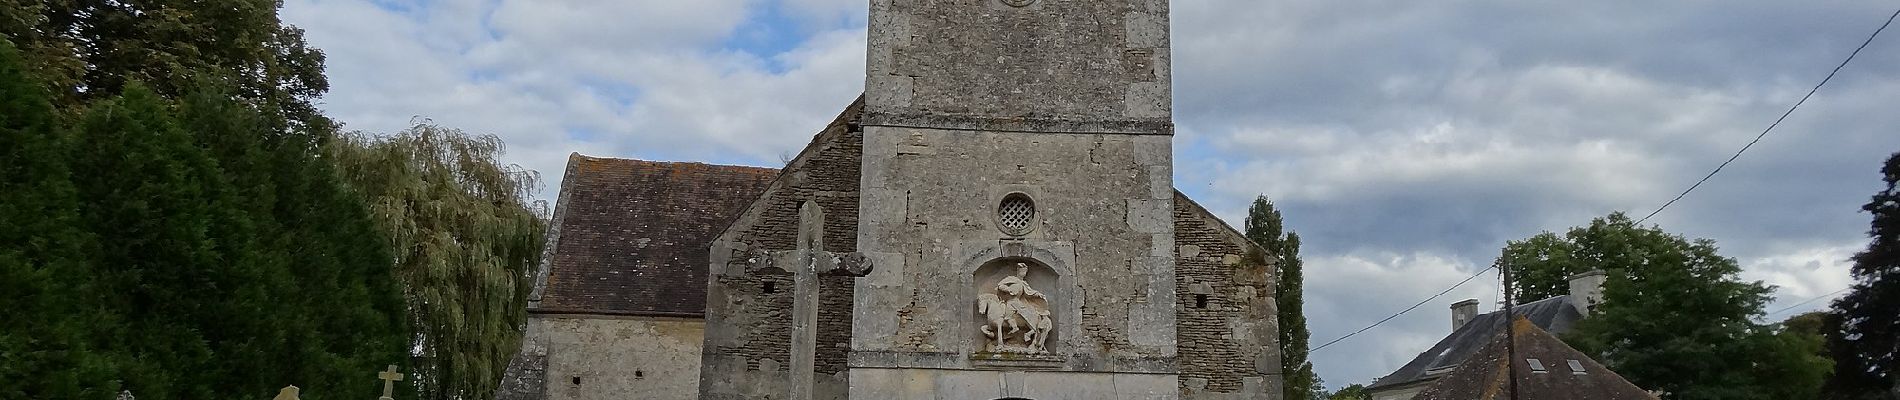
(1016,215)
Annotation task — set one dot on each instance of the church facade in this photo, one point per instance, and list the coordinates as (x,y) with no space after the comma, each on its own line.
(995,218)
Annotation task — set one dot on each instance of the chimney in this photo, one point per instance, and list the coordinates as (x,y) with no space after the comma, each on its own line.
(1462,312)
(1586,290)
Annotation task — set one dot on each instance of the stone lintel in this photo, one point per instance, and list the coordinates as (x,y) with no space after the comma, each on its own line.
(987,361)
(1013,361)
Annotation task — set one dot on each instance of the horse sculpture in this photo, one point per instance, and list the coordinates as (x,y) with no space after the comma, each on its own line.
(1013,307)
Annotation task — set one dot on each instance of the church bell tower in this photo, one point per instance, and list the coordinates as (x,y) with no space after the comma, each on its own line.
(1017,201)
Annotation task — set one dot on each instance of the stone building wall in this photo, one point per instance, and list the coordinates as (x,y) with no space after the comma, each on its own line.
(1229,333)
(1103,202)
(1088,65)
(597,357)
(749,331)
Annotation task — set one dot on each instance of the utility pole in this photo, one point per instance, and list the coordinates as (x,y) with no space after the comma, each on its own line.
(1510,330)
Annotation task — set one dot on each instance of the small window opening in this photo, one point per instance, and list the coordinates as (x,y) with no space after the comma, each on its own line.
(770,287)
(577,380)
(1537,366)
(1017,214)
(1576,368)
(1200,301)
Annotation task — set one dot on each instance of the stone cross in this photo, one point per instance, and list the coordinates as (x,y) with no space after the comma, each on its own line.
(807,263)
(288,393)
(389,378)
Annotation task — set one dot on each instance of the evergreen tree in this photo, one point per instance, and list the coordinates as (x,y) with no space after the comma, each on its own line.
(1866,341)
(465,238)
(180,252)
(43,253)
(317,286)
(1266,228)
(151,199)
(1675,316)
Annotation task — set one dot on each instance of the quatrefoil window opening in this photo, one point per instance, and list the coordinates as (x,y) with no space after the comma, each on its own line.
(1017,214)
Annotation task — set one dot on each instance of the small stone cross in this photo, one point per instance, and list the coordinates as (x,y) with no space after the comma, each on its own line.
(389,378)
(288,393)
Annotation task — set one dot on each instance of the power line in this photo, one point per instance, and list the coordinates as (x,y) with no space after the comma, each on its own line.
(1771,127)
(1805,302)
(1407,309)
(1685,192)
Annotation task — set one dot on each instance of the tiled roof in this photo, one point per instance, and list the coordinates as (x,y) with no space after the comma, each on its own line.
(633,236)
(1567,374)
(1555,314)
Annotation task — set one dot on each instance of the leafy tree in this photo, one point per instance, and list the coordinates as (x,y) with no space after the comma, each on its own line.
(1266,227)
(1544,265)
(466,239)
(1866,343)
(1793,352)
(87,50)
(1352,392)
(1675,316)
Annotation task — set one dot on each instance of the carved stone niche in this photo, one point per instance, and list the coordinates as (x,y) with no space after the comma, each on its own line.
(1013,306)
(992,268)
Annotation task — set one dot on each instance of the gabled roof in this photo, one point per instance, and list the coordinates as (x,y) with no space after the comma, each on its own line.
(632,237)
(1554,314)
(1567,374)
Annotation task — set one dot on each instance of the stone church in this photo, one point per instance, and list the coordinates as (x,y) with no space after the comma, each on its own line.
(994,218)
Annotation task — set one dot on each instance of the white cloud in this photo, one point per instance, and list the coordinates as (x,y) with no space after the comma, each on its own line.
(642,79)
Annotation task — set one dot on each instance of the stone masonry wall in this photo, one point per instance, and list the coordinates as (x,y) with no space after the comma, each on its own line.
(982,64)
(1103,205)
(600,358)
(1228,332)
(748,341)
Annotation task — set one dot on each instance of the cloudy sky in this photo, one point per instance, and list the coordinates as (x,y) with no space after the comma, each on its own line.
(1406,140)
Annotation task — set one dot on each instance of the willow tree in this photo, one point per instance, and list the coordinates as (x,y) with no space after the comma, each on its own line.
(465,236)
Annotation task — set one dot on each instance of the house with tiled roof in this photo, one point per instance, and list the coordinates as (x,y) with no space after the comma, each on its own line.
(1530,363)
(1471,332)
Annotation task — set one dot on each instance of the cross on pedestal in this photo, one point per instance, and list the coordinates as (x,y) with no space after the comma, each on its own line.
(806,264)
(389,378)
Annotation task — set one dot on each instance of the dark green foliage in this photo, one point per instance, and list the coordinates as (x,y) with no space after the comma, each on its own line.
(181,250)
(467,238)
(1793,358)
(43,254)
(1353,392)
(87,50)
(1543,264)
(1266,227)
(1675,316)
(1866,343)
(308,248)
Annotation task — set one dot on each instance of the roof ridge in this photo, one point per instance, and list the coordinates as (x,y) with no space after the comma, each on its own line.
(583,157)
